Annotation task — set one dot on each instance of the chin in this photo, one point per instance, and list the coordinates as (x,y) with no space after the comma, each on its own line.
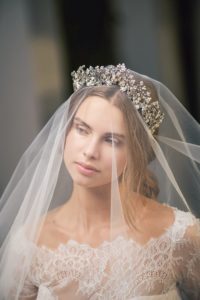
(79,180)
(87,182)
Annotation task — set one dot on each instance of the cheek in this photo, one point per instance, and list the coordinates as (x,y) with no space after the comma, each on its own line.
(73,147)
(66,157)
(69,149)
(119,159)
(122,160)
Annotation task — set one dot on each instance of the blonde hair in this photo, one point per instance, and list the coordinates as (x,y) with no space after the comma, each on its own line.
(136,177)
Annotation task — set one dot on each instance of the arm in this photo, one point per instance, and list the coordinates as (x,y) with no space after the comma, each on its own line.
(187,258)
(15,281)
(29,291)
(22,288)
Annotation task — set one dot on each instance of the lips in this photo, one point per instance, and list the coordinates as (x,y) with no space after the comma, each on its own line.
(87,167)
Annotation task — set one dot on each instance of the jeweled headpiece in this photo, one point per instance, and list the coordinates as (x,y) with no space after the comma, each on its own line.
(135,89)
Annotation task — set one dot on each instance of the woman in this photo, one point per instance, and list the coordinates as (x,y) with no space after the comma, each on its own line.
(82,216)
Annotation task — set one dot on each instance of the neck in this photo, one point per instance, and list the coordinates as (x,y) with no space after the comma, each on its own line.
(90,207)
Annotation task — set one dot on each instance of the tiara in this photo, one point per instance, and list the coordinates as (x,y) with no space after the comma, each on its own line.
(124,78)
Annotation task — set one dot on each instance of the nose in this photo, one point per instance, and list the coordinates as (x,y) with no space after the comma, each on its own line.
(91,149)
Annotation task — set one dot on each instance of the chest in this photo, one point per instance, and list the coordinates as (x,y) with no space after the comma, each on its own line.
(121,267)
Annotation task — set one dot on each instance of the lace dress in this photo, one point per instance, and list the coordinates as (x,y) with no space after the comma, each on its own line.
(164,268)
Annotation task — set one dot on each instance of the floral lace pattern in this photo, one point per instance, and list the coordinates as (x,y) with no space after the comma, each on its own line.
(122,269)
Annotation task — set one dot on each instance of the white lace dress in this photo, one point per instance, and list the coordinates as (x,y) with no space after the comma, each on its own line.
(164,268)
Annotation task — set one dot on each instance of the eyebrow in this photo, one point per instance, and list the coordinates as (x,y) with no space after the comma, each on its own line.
(106,133)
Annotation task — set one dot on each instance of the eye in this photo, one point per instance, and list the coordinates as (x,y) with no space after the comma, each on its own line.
(114,141)
(80,129)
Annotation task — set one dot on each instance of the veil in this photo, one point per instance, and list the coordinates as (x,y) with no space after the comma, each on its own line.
(165,168)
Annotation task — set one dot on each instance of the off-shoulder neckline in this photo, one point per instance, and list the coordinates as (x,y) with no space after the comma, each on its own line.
(119,238)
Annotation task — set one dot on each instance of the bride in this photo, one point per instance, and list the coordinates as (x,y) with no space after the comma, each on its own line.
(100,204)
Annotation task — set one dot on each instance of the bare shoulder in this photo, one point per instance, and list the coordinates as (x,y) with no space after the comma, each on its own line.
(158,217)
(50,234)
(162,212)
(162,217)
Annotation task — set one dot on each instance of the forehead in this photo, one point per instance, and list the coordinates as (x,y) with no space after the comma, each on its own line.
(100,114)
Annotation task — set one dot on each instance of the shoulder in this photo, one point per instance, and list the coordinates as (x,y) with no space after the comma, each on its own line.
(185,218)
(161,218)
(186,226)
(156,220)
(50,233)
(157,213)
(181,227)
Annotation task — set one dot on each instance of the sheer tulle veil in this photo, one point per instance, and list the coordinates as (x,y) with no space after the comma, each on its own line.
(42,183)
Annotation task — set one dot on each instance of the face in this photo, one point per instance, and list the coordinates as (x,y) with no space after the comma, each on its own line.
(97,132)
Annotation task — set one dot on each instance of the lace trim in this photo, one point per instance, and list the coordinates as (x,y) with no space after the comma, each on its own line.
(175,231)
(118,269)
